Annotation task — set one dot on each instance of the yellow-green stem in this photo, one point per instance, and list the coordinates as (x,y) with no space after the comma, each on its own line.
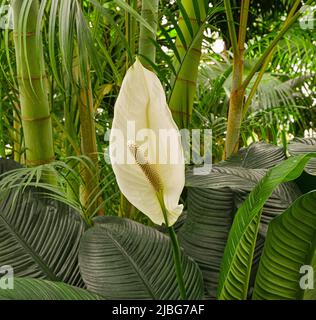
(237,90)
(147,48)
(176,249)
(184,85)
(35,110)
(90,176)
(256,85)
(231,26)
(130,31)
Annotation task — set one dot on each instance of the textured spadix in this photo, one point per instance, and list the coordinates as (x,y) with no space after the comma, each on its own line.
(145,146)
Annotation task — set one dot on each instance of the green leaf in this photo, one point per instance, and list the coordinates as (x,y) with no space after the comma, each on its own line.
(259,155)
(122,259)
(290,244)
(238,255)
(133,13)
(205,231)
(213,200)
(40,239)
(303,146)
(35,289)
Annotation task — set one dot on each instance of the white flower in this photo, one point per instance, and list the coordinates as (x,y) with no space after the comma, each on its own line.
(145,147)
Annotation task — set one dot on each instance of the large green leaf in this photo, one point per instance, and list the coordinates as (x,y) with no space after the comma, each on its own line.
(238,255)
(40,239)
(205,231)
(35,289)
(307,181)
(213,200)
(290,244)
(303,146)
(259,155)
(122,259)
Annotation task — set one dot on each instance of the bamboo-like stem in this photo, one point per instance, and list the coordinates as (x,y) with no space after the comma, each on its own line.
(88,145)
(184,87)
(130,31)
(231,26)
(35,111)
(237,90)
(71,130)
(256,85)
(176,249)
(90,176)
(147,48)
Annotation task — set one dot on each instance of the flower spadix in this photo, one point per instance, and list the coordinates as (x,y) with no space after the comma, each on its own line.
(145,147)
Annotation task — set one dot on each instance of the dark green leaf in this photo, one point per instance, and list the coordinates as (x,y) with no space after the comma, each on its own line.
(40,239)
(122,259)
(34,289)
(290,244)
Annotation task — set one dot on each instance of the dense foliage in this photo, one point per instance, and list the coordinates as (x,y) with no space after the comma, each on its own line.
(243,69)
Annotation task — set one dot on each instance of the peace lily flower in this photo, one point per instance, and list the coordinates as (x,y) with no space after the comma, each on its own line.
(145,147)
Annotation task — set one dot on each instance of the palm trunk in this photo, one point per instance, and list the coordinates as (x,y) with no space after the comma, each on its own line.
(237,91)
(35,111)
(184,89)
(238,108)
(90,194)
(71,114)
(147,49)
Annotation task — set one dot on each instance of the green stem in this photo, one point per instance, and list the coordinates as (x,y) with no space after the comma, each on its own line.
(177,262)
(231,26)
(147,48)
(256,85)
(35,109)
(237,91)
(183,91)
(90,172)
(176,249)
(130,32)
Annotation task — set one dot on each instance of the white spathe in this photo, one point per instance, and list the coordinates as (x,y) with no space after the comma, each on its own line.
(141,107)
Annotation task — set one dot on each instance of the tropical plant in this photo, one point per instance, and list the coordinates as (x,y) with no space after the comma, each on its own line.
(76,224)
